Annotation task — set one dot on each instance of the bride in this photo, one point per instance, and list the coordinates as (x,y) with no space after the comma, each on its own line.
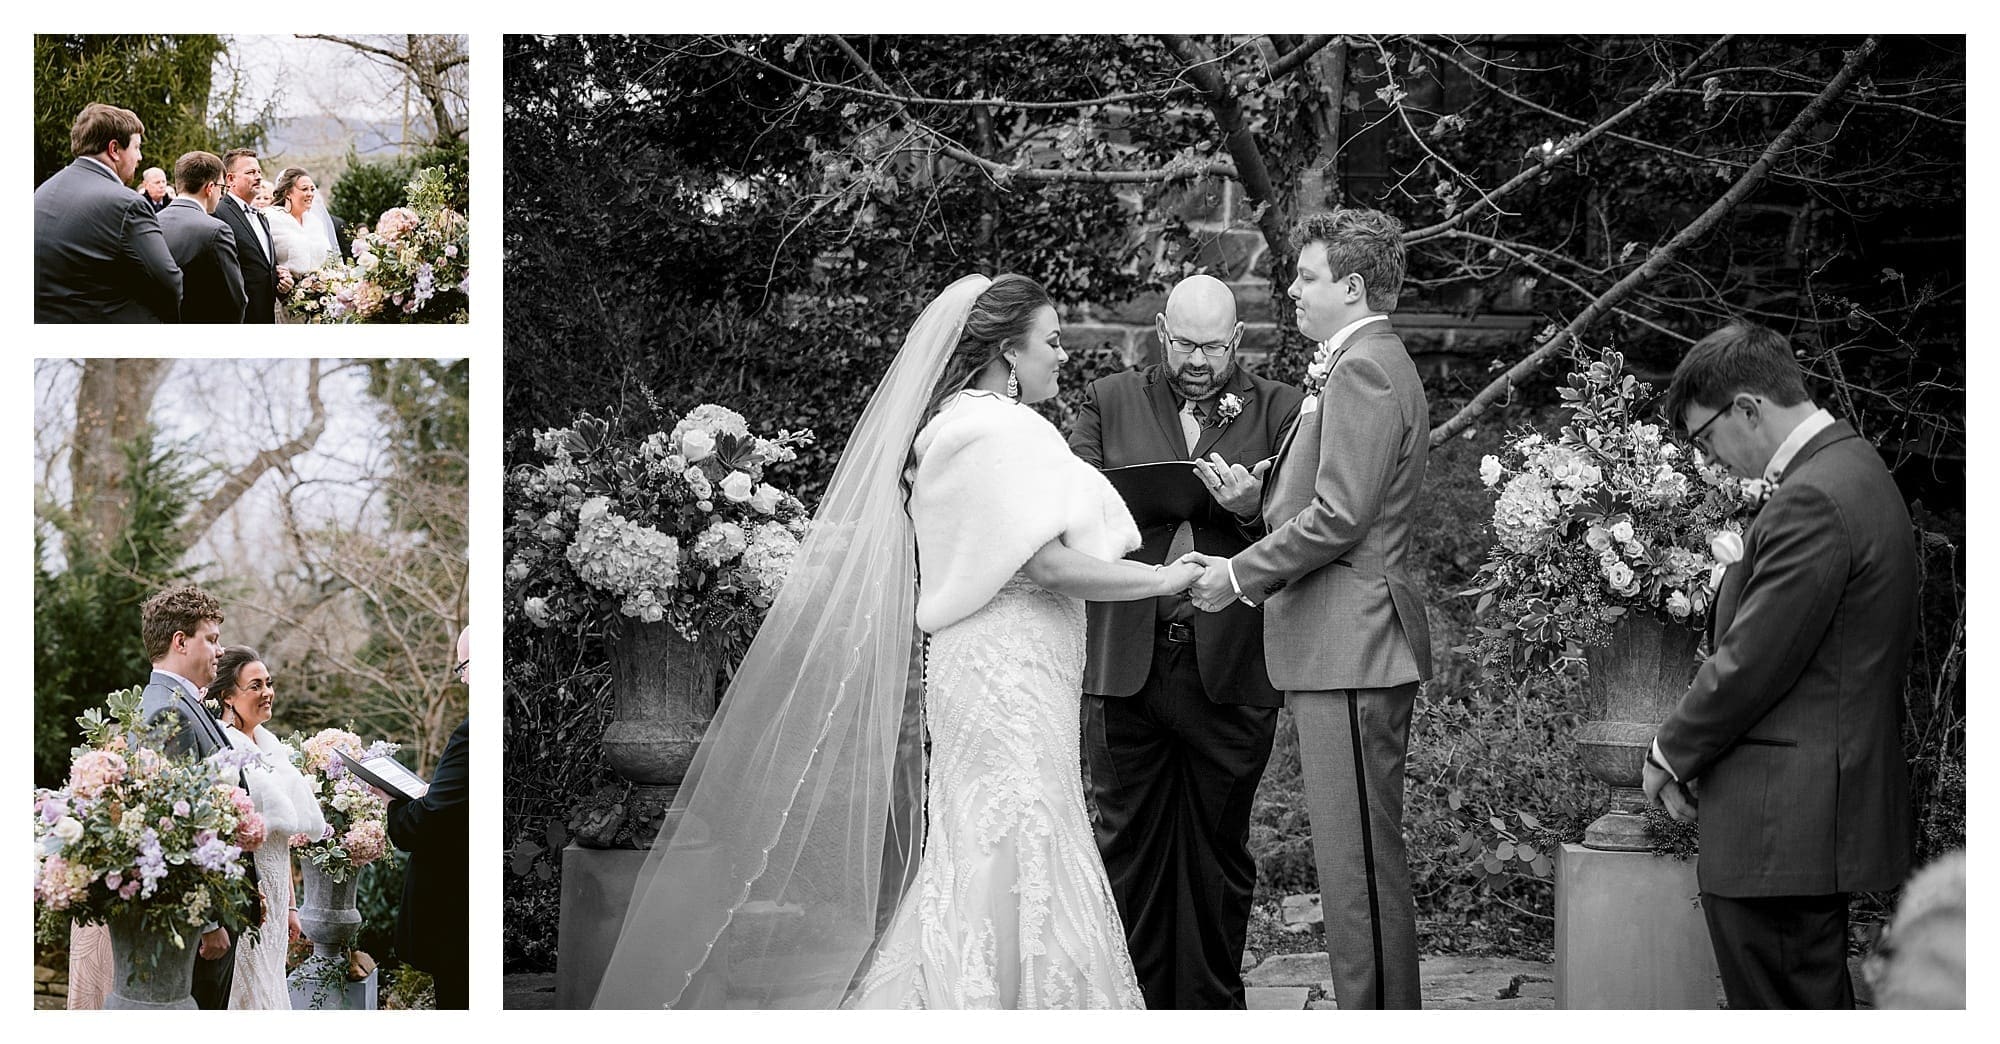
(298,245)
(793,870)
(285,799)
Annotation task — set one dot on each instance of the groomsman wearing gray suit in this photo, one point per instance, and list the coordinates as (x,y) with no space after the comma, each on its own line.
(202,244)
(99,254)
(182,631)
(1791,734)
(1345,635)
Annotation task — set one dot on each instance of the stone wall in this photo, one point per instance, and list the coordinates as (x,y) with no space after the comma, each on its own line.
(1443,335)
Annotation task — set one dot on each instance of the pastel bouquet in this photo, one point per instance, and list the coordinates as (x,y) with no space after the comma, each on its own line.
(1609,517)
(356,831)
(678,525)
(413,267)
(140,836)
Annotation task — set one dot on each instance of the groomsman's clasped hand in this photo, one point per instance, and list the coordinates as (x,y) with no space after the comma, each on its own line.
(1664,791)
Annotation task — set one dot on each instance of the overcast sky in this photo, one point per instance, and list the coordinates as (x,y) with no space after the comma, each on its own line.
(314,77)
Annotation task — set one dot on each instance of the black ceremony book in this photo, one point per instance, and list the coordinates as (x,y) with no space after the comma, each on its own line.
(388,775)
(1162,494)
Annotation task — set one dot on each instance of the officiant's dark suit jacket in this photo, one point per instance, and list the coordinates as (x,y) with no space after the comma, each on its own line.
(430,928)
(1792,727)
(205,248)
(260,272)
(99,254)
(1133,418)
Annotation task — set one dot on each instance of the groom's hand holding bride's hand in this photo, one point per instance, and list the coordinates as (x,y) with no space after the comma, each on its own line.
(1213,590)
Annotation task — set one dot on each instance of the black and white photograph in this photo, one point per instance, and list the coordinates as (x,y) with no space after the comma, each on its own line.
(1219,522)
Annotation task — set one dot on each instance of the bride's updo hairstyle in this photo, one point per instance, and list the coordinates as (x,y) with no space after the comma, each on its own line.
(287,179)
(234,658)
(999,317)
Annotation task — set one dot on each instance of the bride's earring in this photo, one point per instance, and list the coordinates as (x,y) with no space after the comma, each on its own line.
(1013,382)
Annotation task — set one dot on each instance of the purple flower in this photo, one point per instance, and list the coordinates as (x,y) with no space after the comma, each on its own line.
(203,837)
(152,863)
(215,854)
(53,808)
(181,808)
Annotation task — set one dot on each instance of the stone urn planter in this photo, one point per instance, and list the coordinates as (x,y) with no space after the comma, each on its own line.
(170,985)
(664,687)
(1635,682)
(329,917)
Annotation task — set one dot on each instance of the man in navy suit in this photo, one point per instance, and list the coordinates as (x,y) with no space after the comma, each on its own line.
(432,922)
(1180,711)
(202,244)
(99,253)
(1791,735)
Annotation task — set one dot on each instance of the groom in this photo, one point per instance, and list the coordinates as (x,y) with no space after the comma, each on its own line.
(1180,713)
(1792,729)
(1344,630)
(182,631)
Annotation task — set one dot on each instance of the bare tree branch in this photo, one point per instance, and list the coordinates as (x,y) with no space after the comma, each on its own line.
(240,481)
(1237,138)
(1659,259)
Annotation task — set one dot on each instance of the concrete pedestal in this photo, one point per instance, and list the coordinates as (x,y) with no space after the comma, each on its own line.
(357,996)
(1629,933)
(597,885)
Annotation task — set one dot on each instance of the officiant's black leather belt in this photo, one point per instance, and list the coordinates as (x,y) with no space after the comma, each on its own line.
(1177,632)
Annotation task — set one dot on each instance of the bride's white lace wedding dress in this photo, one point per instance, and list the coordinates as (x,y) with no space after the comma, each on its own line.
(286,801)
(1010,907)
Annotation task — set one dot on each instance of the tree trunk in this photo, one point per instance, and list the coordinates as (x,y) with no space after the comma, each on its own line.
(113,400)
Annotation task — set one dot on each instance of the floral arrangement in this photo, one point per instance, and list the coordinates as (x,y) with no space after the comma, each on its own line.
(412,268)
(678,525)
(136,833)
(1609,517)
(356,833)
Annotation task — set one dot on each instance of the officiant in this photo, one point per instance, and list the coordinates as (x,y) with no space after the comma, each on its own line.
(1179,713)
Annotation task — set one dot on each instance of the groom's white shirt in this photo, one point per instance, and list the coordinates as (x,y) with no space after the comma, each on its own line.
(193,691)
(1819,421)
(106,166)
(256,226)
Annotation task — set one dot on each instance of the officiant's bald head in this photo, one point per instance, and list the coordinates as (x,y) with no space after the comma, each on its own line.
(1198,336)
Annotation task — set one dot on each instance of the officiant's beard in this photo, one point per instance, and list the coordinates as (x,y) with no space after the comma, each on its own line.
(1210,384)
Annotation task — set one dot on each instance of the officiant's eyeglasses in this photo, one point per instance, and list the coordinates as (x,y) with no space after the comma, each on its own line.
(459,670)
(1212,350)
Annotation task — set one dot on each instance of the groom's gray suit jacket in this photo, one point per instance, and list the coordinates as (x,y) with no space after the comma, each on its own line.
(1340,612)
(199,731)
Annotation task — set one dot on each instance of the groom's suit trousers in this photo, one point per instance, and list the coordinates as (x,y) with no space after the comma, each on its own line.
(1352,745)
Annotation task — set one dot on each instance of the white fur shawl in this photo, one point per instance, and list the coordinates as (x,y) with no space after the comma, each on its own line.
(282,794)
(994,483)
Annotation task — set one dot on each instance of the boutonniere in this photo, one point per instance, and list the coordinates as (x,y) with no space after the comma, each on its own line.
(1321,365)
(1311,404)
(1759,490)
(1228,410)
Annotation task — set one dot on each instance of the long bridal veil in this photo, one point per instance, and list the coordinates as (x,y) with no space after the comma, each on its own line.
(801,819)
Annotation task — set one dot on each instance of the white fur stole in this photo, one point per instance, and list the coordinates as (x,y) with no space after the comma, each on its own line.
(995,482)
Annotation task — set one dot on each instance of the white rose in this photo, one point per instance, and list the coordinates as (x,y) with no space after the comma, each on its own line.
(1489,470)
(1621,531)
(1633,548)
(697,445)
(1679,605)
(1598,539)
(537,610)
(766,499)
(68,829)
(1726,547)
(1618,574)
(736,486)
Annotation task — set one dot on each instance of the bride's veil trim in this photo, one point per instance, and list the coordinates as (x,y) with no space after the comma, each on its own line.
(801,818)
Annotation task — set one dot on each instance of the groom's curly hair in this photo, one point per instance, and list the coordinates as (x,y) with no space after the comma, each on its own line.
(1367,243)
(177,610)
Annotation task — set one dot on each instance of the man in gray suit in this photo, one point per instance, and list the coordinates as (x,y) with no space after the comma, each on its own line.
(202,244)
(1792,731)
(1344,630)
(182,631)
(99,253)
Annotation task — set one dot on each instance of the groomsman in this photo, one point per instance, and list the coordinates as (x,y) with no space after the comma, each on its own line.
(202,244)
(99,254)
(263,280)
(182,631)
(1791,734)
(432,922)
(1345,635)
(1179,713)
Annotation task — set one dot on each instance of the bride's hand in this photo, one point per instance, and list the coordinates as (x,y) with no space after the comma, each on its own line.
(1179,576)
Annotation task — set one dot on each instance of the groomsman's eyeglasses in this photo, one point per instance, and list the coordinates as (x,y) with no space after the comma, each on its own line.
(1699,436)
(1211,350)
